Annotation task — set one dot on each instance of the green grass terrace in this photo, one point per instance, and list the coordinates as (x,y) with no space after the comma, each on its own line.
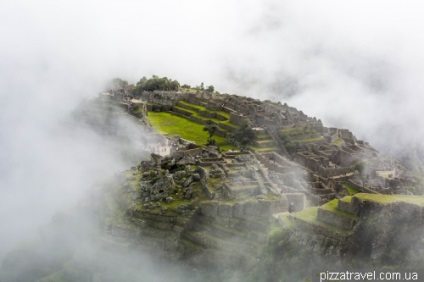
(187,120)
(167,123)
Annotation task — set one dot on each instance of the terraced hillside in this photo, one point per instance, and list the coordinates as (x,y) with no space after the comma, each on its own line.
(171,124)
(298,135)
(216,212)
(333,222)
(241,209)
(339,226)
(188,120)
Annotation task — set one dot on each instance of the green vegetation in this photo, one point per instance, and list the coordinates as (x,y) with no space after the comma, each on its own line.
(389,199)
(210,89)
(298,134)
(338,142)
(263,136)
(211,129)
(137,111)
(347,199)
(360,167)
(349,189)
(167,123)
(285,220)
(118,83)
(242,136)
(264,143)
(155,83)
(275,233)
(310,139)
(300,131)
(265,149)
(196,114)
(176,203)
(201,108)
(308,214)
(134,180)
(332,206)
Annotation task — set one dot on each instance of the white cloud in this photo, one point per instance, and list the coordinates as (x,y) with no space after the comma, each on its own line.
(355,64)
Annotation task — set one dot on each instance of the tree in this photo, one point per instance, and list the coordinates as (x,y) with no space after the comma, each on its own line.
(211,142)
(118,83)
(287,142)
(210,89)
(360,166)
(211,129)
(155,83)
(243,136)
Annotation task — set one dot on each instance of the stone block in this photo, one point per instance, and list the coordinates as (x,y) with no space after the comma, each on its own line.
(233,222)
(238,210)
(265,208)
(209,209)
(250,208)
(281,205)
(348,207)
(335,219)
(225,221)
(225,210)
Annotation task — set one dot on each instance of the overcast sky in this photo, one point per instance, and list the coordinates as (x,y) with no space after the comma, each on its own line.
(354,64)
(358,57)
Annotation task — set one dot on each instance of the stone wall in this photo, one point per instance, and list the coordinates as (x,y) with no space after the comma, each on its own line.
(188,107)
(318,239)
(199,98)
(343,158)
(252,209)
(307,161)
(331,137)
(212,115)
(330,217)
(238,119)
(330,172)
(296,201)
(227,110)
(192,152)
(359,187)
(213,105)
(181,112)
(348,207)
(163,97)
(227,127)
(158,108)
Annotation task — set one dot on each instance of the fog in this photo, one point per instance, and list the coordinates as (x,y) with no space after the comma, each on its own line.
(353,64)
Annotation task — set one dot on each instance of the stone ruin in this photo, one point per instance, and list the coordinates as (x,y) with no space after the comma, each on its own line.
(208,206)
(331,153)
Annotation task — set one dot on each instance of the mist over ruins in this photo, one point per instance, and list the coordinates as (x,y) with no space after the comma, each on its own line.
(263,193)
